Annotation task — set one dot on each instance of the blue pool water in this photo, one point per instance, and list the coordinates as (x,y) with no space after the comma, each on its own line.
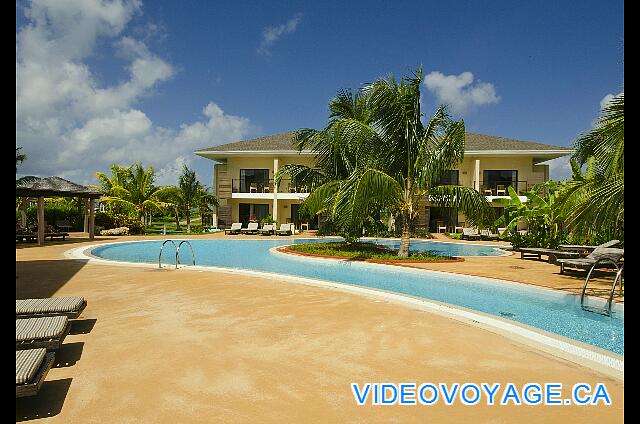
(544,309)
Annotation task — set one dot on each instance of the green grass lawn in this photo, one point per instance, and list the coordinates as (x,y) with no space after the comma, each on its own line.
(361,251)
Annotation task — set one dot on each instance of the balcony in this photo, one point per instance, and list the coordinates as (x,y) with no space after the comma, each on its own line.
(500,188)
(264,189)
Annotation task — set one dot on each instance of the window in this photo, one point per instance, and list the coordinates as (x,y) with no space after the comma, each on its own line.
(256,178)
(493,178)
(449,177)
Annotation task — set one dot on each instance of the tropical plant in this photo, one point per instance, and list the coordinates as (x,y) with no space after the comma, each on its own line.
(131,188)
(376,153)
(542,215)
(206,201)
(594,200)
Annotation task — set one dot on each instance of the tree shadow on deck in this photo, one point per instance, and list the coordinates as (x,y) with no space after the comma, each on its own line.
(43,278)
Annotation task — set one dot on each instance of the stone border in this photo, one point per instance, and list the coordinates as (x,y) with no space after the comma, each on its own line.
(592,357)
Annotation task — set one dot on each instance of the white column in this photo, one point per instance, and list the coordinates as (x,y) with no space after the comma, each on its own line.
(274,215)
(476,175)
(214,187)
(92,218)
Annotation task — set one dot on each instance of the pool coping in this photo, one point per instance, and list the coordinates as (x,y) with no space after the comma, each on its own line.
(593,357)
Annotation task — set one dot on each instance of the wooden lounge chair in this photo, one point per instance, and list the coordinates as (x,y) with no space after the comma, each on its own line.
(470,234)
(69,306)
(52,232)
(583,248)
(235,228)
(552,254)
(266,230)
(252,228)
(285,230)
(46,332)
(32,366)
(601,257)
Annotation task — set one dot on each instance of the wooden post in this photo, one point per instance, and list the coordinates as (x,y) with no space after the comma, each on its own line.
(92,218)
(23,211)
(41,221)
(86,216)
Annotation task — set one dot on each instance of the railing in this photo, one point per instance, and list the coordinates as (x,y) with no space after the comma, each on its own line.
(500,188)
(177,251)
(266,186)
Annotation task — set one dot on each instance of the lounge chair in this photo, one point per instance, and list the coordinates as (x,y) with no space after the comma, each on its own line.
(552,254)
(32,366)
(51,232)
(46,332)
(601,257)
(267,229)
(583,248)
(235,228)
(252,228)
(470,234)
(69,306)
(487,234)
(285,230)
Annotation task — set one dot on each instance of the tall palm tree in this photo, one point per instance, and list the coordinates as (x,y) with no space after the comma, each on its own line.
(189,189)
(595,200)
(132,188)
(377,153)
(206,201)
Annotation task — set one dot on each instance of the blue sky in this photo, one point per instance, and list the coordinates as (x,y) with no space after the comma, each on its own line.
(154,81)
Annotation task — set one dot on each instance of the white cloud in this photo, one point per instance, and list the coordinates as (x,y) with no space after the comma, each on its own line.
(273,33)
(606,99)
(559,169)
(459,92)
(70,124)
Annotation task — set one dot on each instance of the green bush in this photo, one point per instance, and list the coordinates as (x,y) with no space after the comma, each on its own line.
(55,212)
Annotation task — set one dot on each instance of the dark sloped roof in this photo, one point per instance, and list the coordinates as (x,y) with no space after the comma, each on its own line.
(53,186)
(474,142)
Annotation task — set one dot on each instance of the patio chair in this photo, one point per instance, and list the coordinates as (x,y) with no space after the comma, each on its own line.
(51,232)
(285,230)
(601,257)
(553,254)
(470,234)
(486,234)
(441,226)
(267,229)
(69,306)
(500,188)
(252,228)
(583,248)
(235,228)
(487,191)
(46,332)
(32,366)
(253,188)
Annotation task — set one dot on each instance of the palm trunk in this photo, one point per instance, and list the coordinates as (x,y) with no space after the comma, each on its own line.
(188,221)
(177,216)
(406,237)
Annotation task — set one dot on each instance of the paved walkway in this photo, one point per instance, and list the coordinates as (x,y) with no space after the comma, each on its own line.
(185,346)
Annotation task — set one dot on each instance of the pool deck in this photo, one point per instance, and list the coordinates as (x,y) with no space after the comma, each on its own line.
(189,346)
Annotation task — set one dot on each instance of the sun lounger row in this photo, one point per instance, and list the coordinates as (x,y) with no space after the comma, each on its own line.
(41,327)
(473,234)
(252,228)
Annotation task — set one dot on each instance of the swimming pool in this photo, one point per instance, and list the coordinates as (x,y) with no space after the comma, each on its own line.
(541,308)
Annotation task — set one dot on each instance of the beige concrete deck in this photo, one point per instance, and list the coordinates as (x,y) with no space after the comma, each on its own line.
(185,346)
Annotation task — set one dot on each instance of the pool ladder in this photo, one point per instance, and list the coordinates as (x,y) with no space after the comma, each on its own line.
(177,250)
(619,276)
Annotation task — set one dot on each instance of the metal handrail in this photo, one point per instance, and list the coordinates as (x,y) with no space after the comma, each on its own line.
(193,255)
(586,281)
(162,247)
(613,288)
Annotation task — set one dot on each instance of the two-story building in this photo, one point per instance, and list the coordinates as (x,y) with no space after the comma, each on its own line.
(243,176)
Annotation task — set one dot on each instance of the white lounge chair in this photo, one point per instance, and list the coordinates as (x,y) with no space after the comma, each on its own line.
(267,229)
(285,230)
(235,228)
(470,234)
(252,228)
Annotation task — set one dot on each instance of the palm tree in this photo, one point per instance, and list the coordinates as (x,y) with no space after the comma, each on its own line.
(381,155)
(131,187)
(594,200)
(206,201)
(189,189)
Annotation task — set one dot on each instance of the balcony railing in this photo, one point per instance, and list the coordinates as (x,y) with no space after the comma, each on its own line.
(500,188)
(266,186)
